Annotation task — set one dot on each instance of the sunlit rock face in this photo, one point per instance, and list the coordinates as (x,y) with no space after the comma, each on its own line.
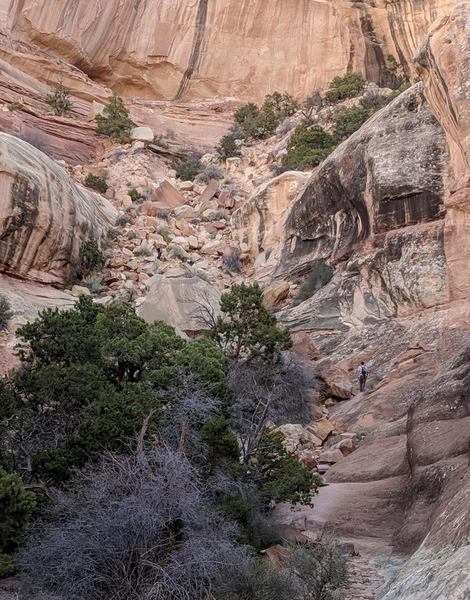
(185,50)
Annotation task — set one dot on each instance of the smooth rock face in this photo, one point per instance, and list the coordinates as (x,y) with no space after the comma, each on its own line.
(186,303)
(372,212)
(44,215)
(27,299)
(176,50)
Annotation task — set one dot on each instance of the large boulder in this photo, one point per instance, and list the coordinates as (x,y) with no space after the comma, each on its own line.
(142,134)
(188,303)
(166,197)
(44,214)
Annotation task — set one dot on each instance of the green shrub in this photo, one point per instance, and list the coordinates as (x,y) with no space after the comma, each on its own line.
(59,100)
(98,372)
(317,480)
(257,123)
(395,74)
(220,440)
(51,465)
(16,508)
(307,147)
(228,148)
(115,121)
(347,121)
(346,86)
(187,169)
(5,312)
(248,119)
(96,182)
(280,477)
(209,173)
(6,565)
(281,105)
(311,105)
(91,257)
(319,275)
(135,194)
(247,329)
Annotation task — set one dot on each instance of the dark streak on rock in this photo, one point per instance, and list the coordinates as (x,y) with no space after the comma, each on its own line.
(195,56)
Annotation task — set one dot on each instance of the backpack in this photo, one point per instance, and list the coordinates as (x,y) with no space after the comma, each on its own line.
(363,370)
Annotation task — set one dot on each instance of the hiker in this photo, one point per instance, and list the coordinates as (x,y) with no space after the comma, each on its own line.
(362,372)
(159,254)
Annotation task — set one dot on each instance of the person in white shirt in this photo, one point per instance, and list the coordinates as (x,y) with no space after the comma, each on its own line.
(362,372)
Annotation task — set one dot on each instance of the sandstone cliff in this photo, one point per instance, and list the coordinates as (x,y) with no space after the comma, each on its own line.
(444,63)
(207,48)
(398,252)
(44,215)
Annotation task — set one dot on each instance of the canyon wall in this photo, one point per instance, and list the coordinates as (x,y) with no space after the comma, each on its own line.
(183,50)
(372,212)
(444,64)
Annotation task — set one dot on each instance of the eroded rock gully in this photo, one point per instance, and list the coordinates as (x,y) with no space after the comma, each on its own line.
(387,212)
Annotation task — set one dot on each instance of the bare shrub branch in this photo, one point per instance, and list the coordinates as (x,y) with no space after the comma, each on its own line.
(130,530)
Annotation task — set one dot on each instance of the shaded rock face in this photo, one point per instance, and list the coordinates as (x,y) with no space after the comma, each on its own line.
(175,50)
(399,274)
(381,179)
(373,211)
(44,215)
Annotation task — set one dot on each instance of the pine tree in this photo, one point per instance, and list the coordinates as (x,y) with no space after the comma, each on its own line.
(115,121)
(16,507)
(59,100)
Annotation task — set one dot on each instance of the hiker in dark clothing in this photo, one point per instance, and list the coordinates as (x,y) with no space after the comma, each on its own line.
(159,254)
(362,372)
